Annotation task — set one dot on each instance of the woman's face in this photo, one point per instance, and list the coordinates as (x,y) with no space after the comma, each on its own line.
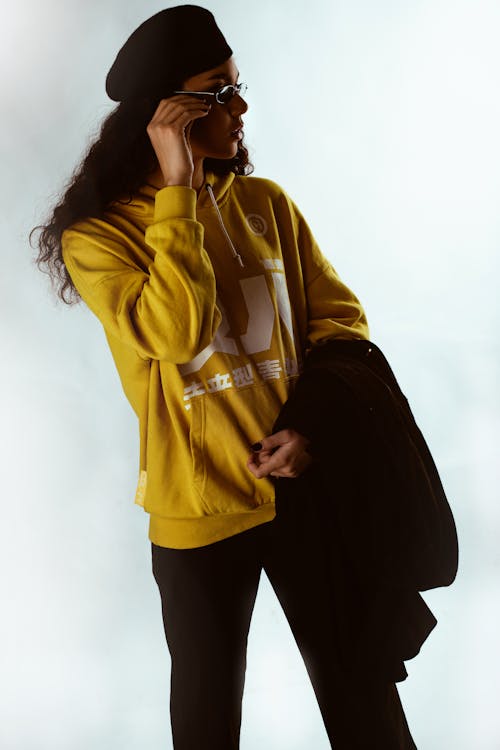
(217,135)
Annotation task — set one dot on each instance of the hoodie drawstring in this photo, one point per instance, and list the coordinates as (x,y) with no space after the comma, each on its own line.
(235,253)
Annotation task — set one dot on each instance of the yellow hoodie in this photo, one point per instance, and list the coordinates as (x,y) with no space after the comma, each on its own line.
(209,304)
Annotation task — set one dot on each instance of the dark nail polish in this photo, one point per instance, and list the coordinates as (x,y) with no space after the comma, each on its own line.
(257,447)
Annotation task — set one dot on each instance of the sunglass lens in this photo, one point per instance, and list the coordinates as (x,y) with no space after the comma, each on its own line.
(225,94)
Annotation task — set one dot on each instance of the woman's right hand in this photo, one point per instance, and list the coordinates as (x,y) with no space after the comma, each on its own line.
(169,130)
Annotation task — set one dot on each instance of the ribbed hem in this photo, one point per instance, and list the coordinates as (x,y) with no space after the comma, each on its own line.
(175,202)
(187,533)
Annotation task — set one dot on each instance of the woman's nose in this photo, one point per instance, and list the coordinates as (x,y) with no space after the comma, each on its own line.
(238,105)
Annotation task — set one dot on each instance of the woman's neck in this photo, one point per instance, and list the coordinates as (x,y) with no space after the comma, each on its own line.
(198,175)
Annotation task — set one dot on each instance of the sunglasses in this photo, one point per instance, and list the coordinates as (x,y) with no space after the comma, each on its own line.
(223,95)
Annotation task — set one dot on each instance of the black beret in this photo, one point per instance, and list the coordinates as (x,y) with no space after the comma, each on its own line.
(162,52)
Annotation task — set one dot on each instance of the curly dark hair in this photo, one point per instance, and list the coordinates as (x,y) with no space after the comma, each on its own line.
(115,166)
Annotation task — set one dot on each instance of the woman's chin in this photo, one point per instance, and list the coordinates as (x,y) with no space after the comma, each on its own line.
(227,151)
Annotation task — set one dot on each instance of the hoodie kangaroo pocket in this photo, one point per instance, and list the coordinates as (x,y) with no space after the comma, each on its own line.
(223,427)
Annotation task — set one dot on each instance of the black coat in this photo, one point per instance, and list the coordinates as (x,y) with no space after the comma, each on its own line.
(380,510)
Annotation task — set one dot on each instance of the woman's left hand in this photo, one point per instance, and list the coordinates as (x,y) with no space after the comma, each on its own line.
(283,454)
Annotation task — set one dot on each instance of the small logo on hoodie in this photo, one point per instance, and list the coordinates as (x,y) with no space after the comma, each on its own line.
(256,224)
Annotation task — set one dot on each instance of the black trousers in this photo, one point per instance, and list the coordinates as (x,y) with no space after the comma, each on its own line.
(208,594)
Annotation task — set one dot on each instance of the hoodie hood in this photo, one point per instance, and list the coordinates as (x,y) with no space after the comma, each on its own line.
(212,196)
(220,186)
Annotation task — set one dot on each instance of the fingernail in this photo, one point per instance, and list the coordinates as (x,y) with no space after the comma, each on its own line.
(257,447)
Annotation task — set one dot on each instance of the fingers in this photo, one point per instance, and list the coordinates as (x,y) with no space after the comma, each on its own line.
(176,113)
(287,470)
(181,100)
(278,439)
(171,109)
(282,454)
(177,116)
(283,439)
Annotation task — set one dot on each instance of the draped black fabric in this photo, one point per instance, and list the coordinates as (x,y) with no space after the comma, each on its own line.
(380,506)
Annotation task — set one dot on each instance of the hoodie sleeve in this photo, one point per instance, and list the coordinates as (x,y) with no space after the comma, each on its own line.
(333,310)
(168,312)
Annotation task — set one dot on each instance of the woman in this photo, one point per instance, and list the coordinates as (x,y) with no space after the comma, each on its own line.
(211,289)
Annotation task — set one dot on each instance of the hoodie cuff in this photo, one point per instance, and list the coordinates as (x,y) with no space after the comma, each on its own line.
(175,202)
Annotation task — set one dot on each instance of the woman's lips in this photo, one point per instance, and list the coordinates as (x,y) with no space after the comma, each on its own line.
(237,134)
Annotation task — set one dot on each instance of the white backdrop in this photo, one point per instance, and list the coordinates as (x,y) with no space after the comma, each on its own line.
(381,119)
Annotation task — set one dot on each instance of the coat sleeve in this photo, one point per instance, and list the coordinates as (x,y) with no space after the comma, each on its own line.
(165,311)
(334,311)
